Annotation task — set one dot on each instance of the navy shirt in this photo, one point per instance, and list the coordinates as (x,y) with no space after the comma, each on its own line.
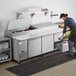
(69,22)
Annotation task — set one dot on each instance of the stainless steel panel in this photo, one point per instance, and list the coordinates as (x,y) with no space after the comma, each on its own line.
(34,46)
(22,49)
(47,43)
(19,50)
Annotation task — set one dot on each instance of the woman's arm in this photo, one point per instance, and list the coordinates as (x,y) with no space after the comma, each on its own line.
(62,36)
(64,30)
(65,27)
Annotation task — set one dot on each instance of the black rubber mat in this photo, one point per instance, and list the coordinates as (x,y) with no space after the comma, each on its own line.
(40,64)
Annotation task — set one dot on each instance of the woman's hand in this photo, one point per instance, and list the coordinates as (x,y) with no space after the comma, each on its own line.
(61,38)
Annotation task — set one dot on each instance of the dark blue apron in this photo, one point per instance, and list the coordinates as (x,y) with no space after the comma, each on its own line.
(72,36)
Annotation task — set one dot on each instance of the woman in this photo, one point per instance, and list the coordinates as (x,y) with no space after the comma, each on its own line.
(69,22)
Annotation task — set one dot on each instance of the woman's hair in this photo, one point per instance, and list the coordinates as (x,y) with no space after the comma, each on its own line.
(63,15)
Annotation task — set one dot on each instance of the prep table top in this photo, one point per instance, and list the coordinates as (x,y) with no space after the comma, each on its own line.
(44,30)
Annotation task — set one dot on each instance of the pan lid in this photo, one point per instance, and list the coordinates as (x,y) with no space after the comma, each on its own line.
(19,23)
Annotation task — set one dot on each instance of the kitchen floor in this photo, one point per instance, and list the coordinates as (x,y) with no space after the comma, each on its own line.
(66,69)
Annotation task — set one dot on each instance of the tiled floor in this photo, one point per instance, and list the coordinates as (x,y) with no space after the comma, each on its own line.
(66,69)
(3,71)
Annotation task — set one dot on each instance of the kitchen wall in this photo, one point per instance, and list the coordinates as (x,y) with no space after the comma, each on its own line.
(8,8)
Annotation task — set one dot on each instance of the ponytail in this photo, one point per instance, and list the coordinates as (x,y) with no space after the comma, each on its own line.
(63,15)
(66,14)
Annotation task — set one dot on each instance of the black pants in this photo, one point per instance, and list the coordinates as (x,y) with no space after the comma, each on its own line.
(72,47)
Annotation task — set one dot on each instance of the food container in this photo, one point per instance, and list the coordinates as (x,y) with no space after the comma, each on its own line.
(0,46)
(5,45)
(0,58)
(6,57)
(65,46)
(3,57)
(58,46)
